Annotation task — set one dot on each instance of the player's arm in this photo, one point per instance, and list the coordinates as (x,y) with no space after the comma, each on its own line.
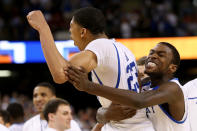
(169,92)
(54,59)
(114,112)
(97,127)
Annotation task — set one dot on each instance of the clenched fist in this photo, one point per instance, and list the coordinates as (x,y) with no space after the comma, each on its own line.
(36,20)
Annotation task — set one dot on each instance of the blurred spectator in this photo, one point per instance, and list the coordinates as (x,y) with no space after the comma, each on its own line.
(125,19)
(16,113)
(4,118)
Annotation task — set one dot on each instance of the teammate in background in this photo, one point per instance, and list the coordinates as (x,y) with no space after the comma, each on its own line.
(141,67)
(111,63)
(191,91)
(58,114)
(16,116)
(165,101)
(4,118)
(42,93)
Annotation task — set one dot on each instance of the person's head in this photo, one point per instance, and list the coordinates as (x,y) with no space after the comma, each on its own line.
(4,118)
(163,59)
(16,112)
(86,22)
(58,114)
(42,93)
(141,67)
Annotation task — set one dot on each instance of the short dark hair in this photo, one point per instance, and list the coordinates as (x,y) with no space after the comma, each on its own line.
(47,85)
(90,18)
(52,106)
(5,116)
(15,110)
(175,53)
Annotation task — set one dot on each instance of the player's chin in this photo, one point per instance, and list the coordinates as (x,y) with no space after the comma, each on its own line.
(150,71)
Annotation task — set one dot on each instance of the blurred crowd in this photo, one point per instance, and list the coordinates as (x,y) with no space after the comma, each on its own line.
(125,18)
(84,117)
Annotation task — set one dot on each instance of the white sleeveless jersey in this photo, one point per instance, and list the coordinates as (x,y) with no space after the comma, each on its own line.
(191,90)
(161,119)
(116,67)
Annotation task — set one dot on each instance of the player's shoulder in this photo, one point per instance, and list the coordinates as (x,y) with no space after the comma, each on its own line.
(74,126)
(30,121)
(3,128)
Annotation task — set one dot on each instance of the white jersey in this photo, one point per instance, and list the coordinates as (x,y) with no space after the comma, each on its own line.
(191,90)
(116,67)
(36,124)
(50,129)
(16,127)
(162,120)
(3,128)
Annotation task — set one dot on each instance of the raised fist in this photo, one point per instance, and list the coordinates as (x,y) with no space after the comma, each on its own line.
(36,20)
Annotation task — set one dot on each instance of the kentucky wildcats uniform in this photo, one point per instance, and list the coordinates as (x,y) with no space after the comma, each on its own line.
(161,119)
(116,67)
(191,89)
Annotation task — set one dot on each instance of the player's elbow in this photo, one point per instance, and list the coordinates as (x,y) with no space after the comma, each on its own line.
(59,79)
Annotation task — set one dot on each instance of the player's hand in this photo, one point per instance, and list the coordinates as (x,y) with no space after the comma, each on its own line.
(36,20)
(78,77)
(115,112)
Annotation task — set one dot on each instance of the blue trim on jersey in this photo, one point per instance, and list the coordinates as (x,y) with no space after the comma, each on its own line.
(169,116)
(155,88)
(191,98)
(174,79)
(147,84)
(100,82)
(119,71)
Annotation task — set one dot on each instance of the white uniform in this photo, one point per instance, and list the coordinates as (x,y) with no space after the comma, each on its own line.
(116,67)
(3,128)
(36,124)
(50,129)
(16,127)
(163,121)
(191,89)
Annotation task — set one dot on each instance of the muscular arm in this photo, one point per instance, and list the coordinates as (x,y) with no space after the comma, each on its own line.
(168,92)
(165,94)
(54,59)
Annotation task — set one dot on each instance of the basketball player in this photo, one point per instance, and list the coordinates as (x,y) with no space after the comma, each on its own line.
(58,114)
(165,101)
(111,63)
(42,93)
(191,89)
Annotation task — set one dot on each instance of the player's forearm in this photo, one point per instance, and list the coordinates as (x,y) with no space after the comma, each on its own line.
(120,96)
(54,59)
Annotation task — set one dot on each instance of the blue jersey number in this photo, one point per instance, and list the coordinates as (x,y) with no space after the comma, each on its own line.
(129,69)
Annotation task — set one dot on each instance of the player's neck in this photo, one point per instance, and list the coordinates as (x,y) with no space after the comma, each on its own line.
(94,37)
(42,116)
(156,81)
(54,126)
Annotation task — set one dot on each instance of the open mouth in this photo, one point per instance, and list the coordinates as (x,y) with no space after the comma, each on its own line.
(150,64)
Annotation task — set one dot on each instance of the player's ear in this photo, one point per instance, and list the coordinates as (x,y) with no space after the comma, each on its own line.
(51,116)
(83,32)
(173,68)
